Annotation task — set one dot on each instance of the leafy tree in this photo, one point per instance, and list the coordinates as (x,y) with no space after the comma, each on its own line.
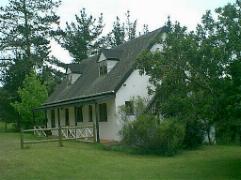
(175,80)
(196,76)
(82,38)
(32,94)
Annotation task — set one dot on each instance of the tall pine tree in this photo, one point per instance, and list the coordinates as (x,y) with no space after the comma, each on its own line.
(122,31)
(117,35)
(82,38)
(26,27)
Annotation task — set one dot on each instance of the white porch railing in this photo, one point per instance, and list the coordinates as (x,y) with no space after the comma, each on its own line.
(77,132)
(85,133)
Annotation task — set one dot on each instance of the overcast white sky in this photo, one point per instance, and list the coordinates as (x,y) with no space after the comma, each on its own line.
(151,12)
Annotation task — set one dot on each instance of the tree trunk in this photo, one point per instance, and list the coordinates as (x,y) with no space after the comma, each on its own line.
(209,138)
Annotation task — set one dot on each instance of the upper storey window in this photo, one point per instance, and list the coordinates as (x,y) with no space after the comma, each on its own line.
(107,60)
(103,68)
(73,71)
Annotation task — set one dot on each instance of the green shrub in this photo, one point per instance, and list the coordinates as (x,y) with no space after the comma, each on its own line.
(194,134)
(151,135)
(171,135)
(227,133)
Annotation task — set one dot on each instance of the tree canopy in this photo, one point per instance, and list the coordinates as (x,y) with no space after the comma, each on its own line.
(196,72)
(82,38)
(32,95)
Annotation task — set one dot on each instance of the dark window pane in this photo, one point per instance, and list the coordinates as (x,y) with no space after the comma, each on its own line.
(67,117)
(79,114)
(103,112)
(90,114)
(103,69)
(52,118)
(129,108)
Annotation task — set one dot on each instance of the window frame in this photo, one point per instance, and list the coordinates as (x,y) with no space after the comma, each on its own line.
(79,114)
(103,109)
(90,113)
(103,68)
(129,107)
(52,119)
(67,117)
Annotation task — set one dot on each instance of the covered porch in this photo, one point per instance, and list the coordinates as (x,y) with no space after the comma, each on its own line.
(97,111)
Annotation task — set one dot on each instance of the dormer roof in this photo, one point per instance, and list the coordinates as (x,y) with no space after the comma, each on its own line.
(110,54)
(74,68)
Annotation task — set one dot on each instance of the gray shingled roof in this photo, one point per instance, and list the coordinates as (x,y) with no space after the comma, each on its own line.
(112,53)
(75,68)
(89,84)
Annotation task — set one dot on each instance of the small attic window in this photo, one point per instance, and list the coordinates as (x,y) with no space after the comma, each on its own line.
(107,60)
(103,68)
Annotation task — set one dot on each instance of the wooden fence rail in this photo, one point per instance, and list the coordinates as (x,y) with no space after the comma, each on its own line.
(59,134)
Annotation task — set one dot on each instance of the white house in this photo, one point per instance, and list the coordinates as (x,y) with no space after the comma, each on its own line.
(94,89)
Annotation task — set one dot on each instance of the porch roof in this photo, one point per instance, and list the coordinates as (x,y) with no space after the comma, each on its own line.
(77,102)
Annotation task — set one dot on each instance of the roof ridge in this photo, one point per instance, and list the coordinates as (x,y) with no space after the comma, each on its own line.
(142,36)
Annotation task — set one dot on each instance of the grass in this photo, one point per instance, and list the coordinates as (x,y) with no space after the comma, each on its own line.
(90,161)
(10,127)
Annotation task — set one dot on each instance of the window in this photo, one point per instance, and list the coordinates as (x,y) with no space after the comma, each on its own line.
(79,114)
(129,108)
(103,112)
(90,114)
(52,118)
(67,117)
(103,68)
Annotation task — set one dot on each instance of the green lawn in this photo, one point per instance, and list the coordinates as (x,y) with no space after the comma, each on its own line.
(89,161)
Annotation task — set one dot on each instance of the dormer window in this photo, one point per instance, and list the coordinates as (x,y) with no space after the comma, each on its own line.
(107,60)
(73,72)
(103,68)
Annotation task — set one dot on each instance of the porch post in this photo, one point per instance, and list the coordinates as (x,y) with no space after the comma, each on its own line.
(59,130)
(46,118)
(94,129)
(97,122)
(75,121)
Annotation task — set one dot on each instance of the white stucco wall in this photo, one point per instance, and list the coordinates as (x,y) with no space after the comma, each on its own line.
(135,85)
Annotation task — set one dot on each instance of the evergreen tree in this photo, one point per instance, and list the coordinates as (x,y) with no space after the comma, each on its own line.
(130,26)
(82,38)
(122,31)
(26,27)
(145,29)
(117,36)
